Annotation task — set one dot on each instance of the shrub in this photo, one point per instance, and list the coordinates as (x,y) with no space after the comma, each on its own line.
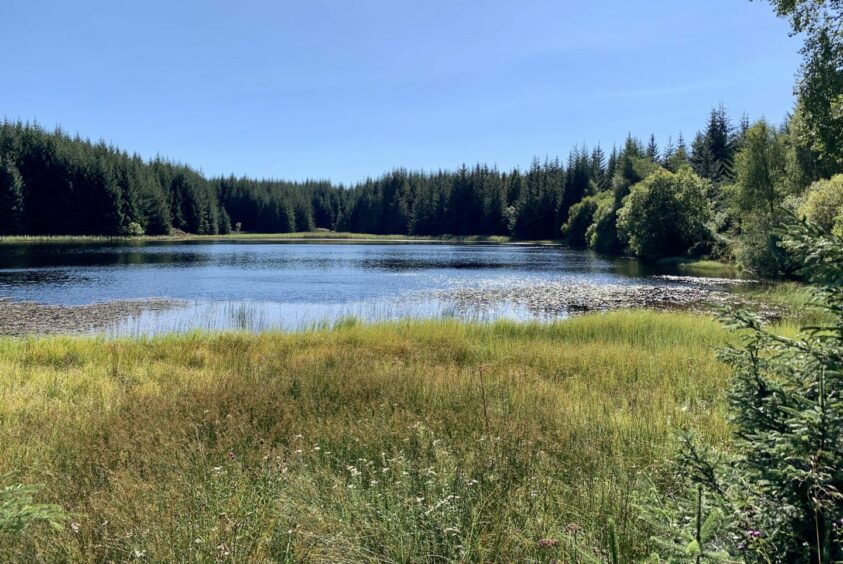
(580,218)
(665,214)
(134,229)
(781,492)
(822,204)
(602,234)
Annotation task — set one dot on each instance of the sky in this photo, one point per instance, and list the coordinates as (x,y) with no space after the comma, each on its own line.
(347,89)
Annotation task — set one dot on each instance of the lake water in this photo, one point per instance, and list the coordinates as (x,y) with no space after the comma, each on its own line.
(259,285)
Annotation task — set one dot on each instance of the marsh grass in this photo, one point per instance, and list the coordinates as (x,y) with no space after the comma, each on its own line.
(412,441)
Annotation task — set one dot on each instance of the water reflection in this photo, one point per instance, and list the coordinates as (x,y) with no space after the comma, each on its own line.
(258,285)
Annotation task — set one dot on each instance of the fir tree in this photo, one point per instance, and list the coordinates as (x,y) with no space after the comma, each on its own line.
(11,199)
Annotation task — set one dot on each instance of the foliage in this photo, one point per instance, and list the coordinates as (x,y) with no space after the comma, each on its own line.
(820,86)
(760,170)
(602,234)
(18,510)
(781,491)
(713,150)
(665,214)
(11,199)
(580,218)
(71,186)
(758,191)
(822,204)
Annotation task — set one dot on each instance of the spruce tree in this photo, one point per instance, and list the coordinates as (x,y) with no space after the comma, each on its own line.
(11,199)
(653,149)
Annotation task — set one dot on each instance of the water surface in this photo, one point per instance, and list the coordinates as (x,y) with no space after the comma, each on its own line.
(266,285)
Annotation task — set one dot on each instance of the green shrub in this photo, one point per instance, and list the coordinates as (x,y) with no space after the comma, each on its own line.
(665,215)
(134,229)
(580,218)
(822,203)
(780,487)
(602,234)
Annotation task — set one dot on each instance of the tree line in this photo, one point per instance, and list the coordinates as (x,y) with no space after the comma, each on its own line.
(718,196)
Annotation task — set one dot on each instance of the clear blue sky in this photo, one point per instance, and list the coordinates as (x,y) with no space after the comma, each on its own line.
(345,89)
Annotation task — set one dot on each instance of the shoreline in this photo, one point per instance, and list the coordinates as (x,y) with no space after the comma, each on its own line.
(548,302)
(27,318)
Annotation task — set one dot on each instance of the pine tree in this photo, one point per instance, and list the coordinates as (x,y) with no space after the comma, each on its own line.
(781,492)
(598,168)
(653,149)
(713,151)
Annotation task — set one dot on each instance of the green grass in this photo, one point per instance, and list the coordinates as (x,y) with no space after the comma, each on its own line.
(701,267)
(790,300)
(411,441)
(308,235)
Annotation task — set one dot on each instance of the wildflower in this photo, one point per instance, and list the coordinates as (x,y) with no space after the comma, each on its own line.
(137,553)
(547,543)
(573,529)
(317,448)
(231,455)
(74,526)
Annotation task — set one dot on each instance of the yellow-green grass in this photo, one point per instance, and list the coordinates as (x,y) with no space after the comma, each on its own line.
(791,300)
(701,267)
(412,441)
(300,236)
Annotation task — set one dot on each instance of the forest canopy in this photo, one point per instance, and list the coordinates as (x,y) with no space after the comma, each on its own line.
(55,184)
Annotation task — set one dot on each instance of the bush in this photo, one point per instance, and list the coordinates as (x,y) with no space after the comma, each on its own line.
(780,486)
(822,203)
(665,215)
(580,218)
(134,229)
(602,234)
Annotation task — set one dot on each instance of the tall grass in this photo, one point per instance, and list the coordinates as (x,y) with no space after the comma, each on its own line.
(409,441)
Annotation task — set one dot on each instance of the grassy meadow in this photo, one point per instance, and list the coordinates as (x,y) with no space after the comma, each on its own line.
(403,442)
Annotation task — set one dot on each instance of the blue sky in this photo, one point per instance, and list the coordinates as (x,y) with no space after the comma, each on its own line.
(346,89)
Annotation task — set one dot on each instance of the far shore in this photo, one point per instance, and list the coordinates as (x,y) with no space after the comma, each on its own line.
(688,265)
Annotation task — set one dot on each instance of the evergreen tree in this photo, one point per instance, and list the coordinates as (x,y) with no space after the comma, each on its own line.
(12,216)
(653,149)
(712,153)
(598,171)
